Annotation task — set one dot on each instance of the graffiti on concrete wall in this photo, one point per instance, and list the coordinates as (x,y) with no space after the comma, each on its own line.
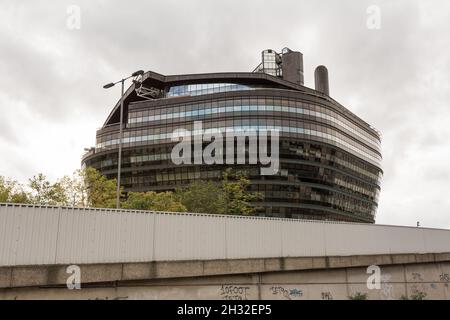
(286,293)
(232,292)
(387,289)
(417,276)
(444,277)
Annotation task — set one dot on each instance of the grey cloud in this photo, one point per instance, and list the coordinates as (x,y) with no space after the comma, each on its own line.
(7,132)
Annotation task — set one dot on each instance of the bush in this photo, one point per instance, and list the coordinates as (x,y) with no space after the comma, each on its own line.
(418,295)
(358,296)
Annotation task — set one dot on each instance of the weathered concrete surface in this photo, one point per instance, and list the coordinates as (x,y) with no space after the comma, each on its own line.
(392,282)
(320,284)
(29,276)
(274,278)
(5,277)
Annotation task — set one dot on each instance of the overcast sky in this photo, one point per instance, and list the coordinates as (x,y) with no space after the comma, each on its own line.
(395,77)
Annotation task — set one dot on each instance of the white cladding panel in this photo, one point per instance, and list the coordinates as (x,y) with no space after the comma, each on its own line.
(28,237)
(252,238)
(188,237)
(436,240)
(35,235)
(101,236)
(302,238)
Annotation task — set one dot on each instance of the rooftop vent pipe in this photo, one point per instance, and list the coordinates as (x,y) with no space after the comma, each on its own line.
(321,80)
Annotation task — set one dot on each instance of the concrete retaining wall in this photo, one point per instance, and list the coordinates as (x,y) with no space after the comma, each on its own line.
(322,284)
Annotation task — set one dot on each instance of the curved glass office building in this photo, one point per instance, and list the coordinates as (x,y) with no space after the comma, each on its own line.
(329,159)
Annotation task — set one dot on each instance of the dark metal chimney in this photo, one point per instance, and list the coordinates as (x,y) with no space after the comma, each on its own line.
(321,80)
(292,66)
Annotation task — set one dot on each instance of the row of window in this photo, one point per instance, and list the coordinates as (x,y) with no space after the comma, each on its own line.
(271,106)
(209,88)
(258,101)
(330,156)
(336,138)
(293,153)
(298,192)
(139,159)
(199,114)
(295,194)
(315,174)
(320,155)
(290,150)
(310,195)
(162,155)
(292,172)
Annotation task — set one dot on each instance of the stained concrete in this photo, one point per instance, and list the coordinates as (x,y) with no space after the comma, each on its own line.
(274,278)
(323,284)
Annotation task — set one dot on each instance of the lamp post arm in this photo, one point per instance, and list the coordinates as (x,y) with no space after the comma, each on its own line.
(119,160)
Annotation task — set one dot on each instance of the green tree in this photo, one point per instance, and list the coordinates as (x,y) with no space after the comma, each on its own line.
(73,198)
(202,197)
(156,201)
(78,185)
(45,193)
(236,197)
(20,196)
(5,190)
(13,192)
(87,187)
(230,196)
(92,189)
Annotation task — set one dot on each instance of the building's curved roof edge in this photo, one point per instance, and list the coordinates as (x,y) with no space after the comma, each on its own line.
(159,80)
(154,78)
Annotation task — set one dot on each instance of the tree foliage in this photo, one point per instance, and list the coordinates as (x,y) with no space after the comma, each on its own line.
(202,197)
(230,196)
(94,190)
(417,295)
(237,199)
(44,192)
(156,201)
(87,187)
(359,296)
(11,191)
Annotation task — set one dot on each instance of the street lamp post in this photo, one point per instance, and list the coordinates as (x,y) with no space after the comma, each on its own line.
(119,162)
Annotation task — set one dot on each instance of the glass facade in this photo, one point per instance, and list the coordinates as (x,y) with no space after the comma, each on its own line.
(310,175)
(141,136)
(209,88)
(286,108)
(329,160)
